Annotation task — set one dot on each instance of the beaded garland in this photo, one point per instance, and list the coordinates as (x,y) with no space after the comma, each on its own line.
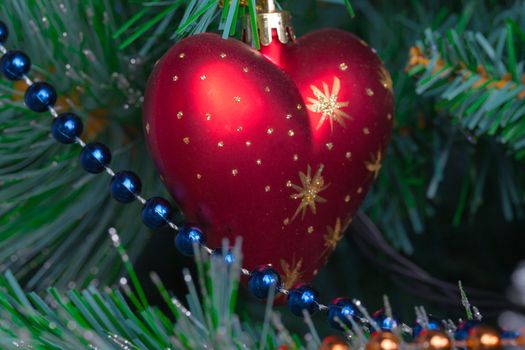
(156,213)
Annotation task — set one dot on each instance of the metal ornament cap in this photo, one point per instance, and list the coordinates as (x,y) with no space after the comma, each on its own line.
(269,20)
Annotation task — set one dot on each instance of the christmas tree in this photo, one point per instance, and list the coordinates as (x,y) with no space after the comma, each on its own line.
(446,204)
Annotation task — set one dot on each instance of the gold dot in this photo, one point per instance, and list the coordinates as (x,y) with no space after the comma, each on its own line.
(299,107)
(389,116)
(269,131)
(366,131)
(295,157)
(199,176)
(175,78)
(267,189)
(237,99)
(248,143)
(288,183)
(220,144)
(370,92)
(239,128)
(179,115)
(258,161)
(222,55)
(286,221)
(234,172)
(186,140)
(208,116)
(290,133)
(147,128)
(347,198)
(348,155)
(288,116)
(360,189)
(343,66)
(245,70)
(203,77)
(182,55)
(267,88)
(329,145)
(310,229)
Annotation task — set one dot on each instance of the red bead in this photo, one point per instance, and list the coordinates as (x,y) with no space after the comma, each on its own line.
(243,146)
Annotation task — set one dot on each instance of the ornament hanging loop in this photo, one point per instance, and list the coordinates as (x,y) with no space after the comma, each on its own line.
(271,22)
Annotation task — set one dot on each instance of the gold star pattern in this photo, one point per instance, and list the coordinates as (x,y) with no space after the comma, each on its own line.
(333,236)
(385,79)
(325,102)
(374,165)
(291,273)
(309,190)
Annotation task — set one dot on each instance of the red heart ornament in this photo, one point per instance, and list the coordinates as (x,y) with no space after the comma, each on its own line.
(278,149)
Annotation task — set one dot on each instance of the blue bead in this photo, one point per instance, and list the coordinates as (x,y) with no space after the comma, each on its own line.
(434,324)
(156,212)
(95,157)
(125,185)
(342,308)
(464,328)
(229,258)
(262,279)
(512,335)
(40,96)
(66,128)
(4,32)
(383,321)
(15,64)
(186,237)
(303,297)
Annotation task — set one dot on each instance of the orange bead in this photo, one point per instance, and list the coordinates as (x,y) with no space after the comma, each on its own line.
(383,341)
(433,340)
(334,343)
(483,338)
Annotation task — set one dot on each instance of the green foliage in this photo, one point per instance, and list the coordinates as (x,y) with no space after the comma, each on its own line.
(109,319)
(477,78)
(442,120)
(52,215)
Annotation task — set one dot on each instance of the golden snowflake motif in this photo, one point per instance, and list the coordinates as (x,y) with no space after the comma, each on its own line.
(326,104)
(333,236)
(374,165)
(308,191)
(385,79)
(291,273)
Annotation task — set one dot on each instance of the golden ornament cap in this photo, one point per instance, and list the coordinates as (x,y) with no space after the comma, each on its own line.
(383,341)
(433,340)
(483,338)
(268,19)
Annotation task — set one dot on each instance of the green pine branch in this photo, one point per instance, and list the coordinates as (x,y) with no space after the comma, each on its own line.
(122,318)
(52,215)
(411,190)
(477,79)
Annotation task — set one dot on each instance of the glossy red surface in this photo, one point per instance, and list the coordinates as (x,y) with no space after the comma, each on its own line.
(241,143)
